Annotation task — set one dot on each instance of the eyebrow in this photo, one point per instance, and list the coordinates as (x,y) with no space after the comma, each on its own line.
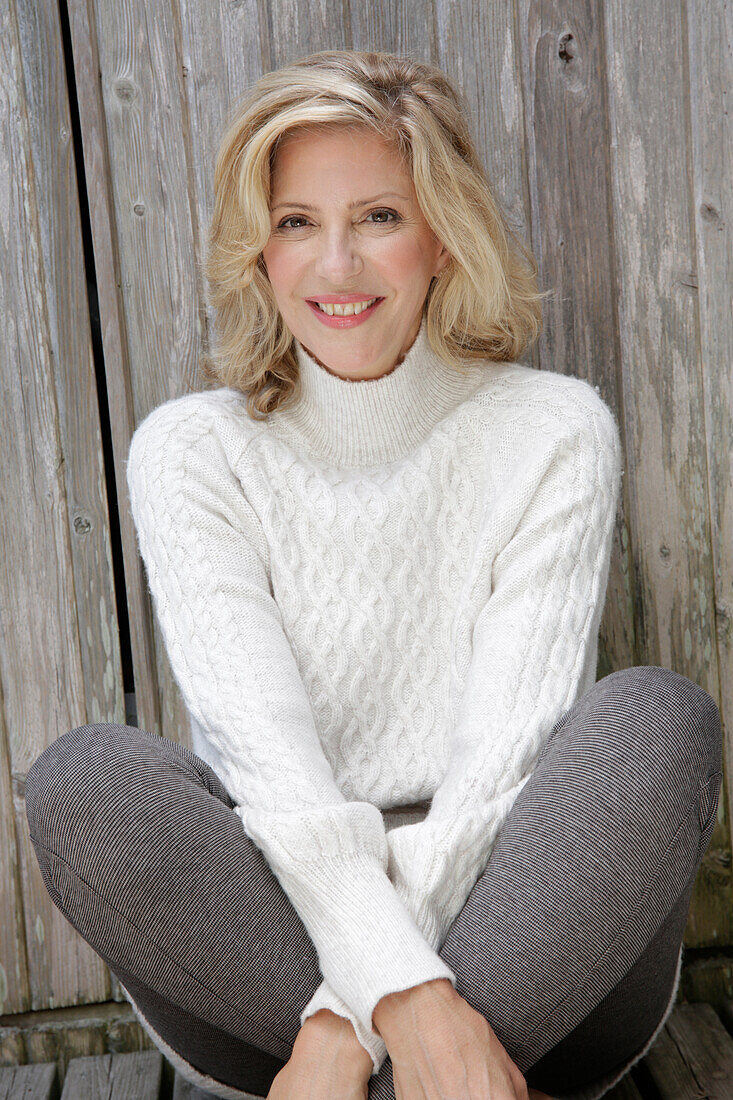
(351,206)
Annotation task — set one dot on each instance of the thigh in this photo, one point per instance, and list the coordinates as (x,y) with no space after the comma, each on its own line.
(621,1026)
(140,848)
(603,839)
(601,843)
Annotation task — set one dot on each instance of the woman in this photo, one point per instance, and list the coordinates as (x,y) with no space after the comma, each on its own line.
(419,851)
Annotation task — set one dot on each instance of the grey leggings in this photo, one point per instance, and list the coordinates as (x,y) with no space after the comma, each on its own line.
(568,944)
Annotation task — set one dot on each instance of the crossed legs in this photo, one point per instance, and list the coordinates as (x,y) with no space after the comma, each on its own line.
(568,944)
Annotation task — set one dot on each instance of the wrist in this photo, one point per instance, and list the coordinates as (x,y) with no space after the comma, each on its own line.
(325,1022)
(327,1029)
(391,1008)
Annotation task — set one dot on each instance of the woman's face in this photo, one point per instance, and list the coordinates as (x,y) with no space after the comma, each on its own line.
(346,225)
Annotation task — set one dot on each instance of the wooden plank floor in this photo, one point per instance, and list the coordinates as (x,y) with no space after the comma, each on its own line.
(692,1059)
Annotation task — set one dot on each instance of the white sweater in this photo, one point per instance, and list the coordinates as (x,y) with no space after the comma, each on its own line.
(384,597)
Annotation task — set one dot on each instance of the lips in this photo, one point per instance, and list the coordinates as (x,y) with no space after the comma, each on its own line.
(350,321)
(342,299)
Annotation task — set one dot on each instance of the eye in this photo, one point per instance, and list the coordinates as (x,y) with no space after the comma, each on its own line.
(293,217)
(392,214)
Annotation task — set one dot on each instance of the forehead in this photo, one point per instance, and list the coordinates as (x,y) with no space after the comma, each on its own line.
(335,152)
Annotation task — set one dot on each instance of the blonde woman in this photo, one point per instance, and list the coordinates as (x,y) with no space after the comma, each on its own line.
(419,851)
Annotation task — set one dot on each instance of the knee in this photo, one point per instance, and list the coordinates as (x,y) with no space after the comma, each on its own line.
(74,776)
(668,718)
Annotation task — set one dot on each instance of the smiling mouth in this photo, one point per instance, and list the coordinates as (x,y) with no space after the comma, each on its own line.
(344,309)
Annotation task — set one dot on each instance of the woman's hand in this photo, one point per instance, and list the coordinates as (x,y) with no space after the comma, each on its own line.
(327,1062)
(442,1049)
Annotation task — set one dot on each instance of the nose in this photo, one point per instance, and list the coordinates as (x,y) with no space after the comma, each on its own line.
(337,256)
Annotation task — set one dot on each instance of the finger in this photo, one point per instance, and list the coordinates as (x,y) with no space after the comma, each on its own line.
(480,1085)
(410,1086)
(519,1082)
(516,1090)
(501,1085)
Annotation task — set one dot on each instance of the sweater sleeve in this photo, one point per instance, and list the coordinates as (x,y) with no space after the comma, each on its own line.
(533,642)
(326,997)
(206,560)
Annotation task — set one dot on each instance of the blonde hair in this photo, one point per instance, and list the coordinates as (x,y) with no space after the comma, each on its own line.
(484,304)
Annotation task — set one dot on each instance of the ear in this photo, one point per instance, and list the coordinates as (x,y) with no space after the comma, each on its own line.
(443,259)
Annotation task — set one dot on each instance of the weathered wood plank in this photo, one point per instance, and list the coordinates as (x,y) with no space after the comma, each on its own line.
(711,913)
(668,1071)
(710,52)
(184,1090)
(71,347)
(692,1056)
(18,268)
(666,478)
(707,979)
(119,393)
(706,1047)
(12,1047)
(725,1011)
(61,1034)
(70,340)
(562,58)
(39,1082)
(667,488)
(140,67)
(14,981)
(65,1044)
(328,27)
(114,1077)
(41,667)
(626,1089)
(222,56)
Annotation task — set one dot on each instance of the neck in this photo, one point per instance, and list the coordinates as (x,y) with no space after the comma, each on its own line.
(366,422)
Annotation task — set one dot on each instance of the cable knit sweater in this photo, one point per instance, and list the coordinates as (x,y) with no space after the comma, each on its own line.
(383,597)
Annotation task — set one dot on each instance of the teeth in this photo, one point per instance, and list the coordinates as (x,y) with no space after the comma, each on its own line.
(348,310)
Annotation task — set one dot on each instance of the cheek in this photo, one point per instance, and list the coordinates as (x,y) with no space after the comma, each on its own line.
(406,261)
(279,266)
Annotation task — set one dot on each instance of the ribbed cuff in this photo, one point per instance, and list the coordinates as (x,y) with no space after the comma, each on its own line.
(325,997)
(368,945)
(423,912)
(416,870)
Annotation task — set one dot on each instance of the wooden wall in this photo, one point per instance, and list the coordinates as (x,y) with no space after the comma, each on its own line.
(604,129)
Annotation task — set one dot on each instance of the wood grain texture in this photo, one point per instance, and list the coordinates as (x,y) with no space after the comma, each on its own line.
(626,1089)
(29,1082)
(114,1077)
(142,94)
(667,1070)
(83,33)
(568,164)
(184,1090)
(70,340)
(693,1056)
(710,52)
(659,358)
(44,676)
(660,363)
(74,372)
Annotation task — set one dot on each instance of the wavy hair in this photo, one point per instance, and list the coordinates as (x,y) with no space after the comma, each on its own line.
(484,304)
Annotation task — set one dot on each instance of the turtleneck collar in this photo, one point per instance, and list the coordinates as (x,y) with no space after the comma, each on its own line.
(356,423)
